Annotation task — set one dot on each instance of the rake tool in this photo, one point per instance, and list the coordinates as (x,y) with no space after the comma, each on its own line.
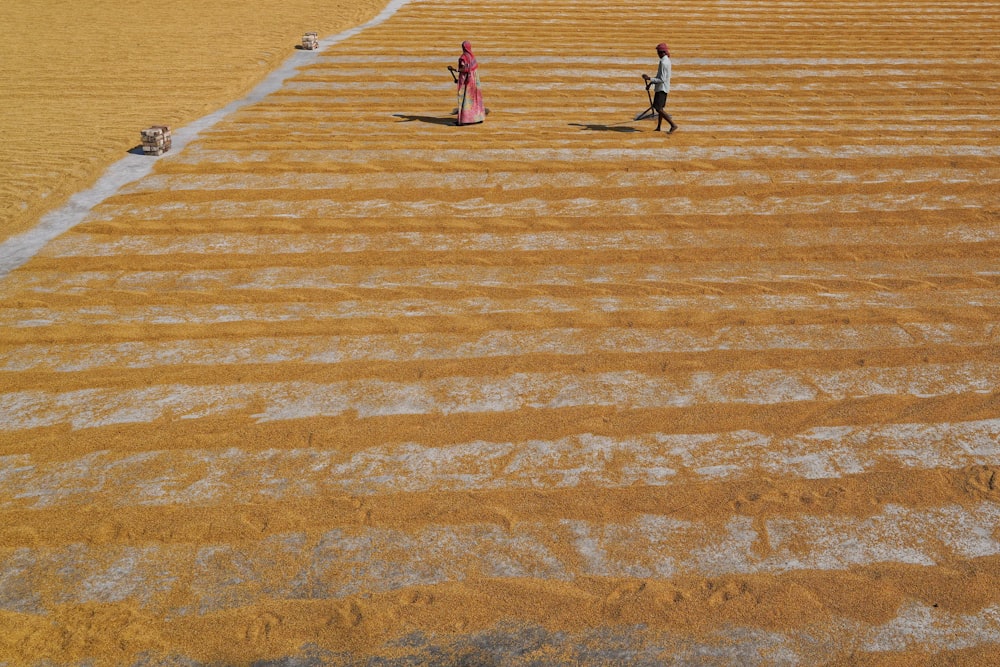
(649,112)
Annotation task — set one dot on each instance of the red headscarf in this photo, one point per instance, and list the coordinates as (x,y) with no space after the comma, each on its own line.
(467,63)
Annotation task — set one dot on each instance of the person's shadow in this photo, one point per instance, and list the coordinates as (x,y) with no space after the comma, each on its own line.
(433,120)
(594,127)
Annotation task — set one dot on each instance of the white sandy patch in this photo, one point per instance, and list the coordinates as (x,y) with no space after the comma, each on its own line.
(210,477)
(419,346)
(678,61)
(169,314)
(464,277)
(347,561)
(89,408)
(522,181)
(506,70)
(662,154)
(92,245)
(538,207)
(294,87)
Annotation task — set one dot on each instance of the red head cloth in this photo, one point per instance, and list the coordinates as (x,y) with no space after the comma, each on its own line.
(663,47)
(467,62)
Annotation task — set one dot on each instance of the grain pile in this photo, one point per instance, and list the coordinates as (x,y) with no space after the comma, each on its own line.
(342,381)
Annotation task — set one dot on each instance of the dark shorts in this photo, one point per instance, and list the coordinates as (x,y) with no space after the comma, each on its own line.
(659,100)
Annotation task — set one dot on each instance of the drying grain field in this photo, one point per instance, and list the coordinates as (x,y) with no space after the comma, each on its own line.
(81,78)
(341,383)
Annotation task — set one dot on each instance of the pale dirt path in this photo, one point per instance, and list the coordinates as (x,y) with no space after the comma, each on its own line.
(341,381)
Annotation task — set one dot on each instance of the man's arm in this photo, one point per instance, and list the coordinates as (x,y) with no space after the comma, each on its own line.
(660,77)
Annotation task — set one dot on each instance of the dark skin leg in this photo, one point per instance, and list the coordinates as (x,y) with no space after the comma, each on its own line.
(661,116)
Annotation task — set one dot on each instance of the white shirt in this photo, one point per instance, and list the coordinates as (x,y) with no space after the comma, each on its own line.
(662,79)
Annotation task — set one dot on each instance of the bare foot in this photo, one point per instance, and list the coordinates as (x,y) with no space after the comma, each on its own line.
(672,130)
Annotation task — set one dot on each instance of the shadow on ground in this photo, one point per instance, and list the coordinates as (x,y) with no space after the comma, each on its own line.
(603,128)
(434,120)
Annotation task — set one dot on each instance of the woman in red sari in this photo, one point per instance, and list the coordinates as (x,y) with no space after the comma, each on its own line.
(470,98)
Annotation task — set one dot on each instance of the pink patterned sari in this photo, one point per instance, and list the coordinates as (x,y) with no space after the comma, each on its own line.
(470,98)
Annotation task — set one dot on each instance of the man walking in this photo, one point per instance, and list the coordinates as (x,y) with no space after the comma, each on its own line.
(661,86)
